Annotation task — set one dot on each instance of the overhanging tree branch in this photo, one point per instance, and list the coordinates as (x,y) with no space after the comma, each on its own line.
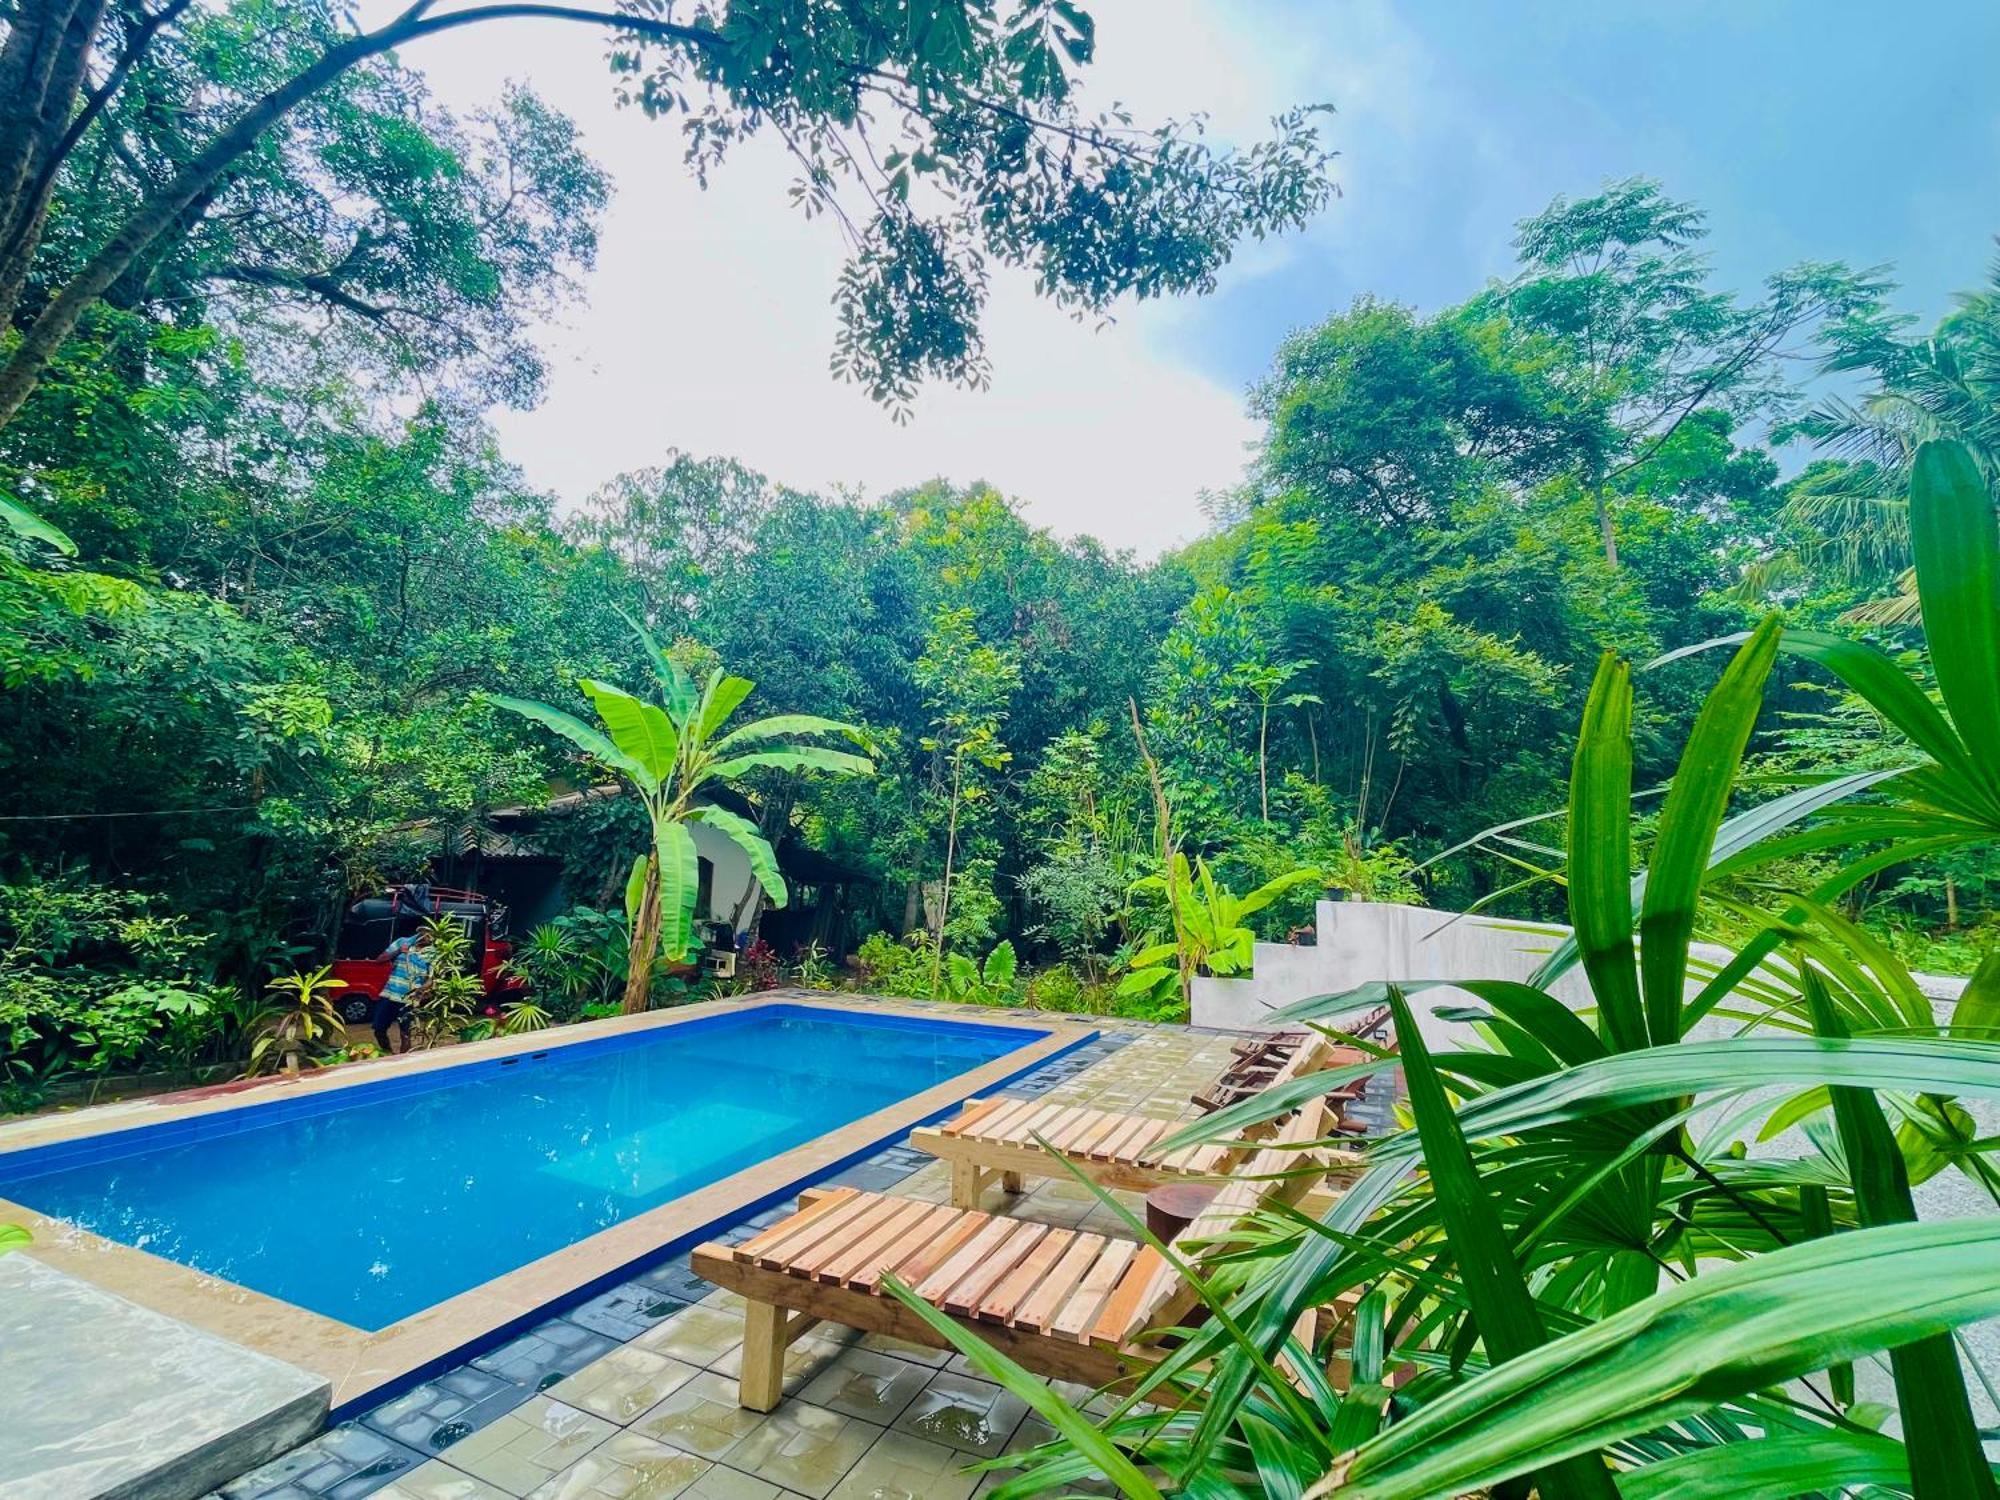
(59,318)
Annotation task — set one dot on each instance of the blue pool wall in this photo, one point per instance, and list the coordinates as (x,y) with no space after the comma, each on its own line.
(256,1112)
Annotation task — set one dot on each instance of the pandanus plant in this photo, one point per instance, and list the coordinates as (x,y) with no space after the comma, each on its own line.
(673,754)
(1571,1272)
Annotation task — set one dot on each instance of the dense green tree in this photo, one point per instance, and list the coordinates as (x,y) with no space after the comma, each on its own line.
(1619,287)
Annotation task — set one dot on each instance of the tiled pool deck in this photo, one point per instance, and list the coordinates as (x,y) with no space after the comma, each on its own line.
(632,1396)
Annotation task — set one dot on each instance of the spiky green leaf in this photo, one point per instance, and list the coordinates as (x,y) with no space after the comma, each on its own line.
(1725,1333)
(1509,1324)
(1600,854)
(1958,578)
(1689,821)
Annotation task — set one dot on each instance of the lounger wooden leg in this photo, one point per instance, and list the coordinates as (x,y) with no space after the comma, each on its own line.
(1013,1182)
(763,1382)
(966,1181)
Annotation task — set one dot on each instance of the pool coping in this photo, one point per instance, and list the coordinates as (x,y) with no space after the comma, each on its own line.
(365,1367)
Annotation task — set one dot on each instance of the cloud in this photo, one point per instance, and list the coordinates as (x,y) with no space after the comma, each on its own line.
(708,323)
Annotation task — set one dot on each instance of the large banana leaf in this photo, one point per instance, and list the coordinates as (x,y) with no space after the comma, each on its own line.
(25,523)
(635,891)
(641,729)
(779,726)
(681,697)
(722,700)
(743,833)
(680,880)
(1245,906)
(797,758)
(1722,1334)
(590,741)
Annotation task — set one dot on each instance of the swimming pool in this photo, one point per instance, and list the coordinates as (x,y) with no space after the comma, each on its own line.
(373,1203)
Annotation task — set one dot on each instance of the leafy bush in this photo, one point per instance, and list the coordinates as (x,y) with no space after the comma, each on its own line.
(988,983)
(302,1026)
(94,981)
(1078,892)
(452,993)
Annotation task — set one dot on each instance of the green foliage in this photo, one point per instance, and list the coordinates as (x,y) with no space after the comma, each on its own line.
(1209,924)
(301,1027)
(520,1016)
(444,1005)
(249,127)
(668,753)
(1592,1265)
(93,980)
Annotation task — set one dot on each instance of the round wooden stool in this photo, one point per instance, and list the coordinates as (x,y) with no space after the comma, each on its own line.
(1172,1206)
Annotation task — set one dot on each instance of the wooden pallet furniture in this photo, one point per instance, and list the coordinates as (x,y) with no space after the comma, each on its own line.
(1001,1138)
(1064,1303)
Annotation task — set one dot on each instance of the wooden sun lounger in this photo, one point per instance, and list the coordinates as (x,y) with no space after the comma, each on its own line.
(1002,1138)
(1070,1305)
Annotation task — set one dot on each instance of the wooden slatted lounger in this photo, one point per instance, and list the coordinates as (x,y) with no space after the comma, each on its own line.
(1069,1305)
(997,1138)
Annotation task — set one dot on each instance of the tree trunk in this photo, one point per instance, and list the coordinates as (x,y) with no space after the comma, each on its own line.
(1605,528)
(1263,763)
(645,943)
(43,65)
(944,892)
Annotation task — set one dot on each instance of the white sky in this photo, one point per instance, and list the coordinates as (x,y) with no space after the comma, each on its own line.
(707,324)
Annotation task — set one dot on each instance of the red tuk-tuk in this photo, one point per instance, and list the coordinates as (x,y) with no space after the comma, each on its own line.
(373,922)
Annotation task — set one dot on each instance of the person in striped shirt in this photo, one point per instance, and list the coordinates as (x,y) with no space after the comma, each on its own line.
(404,987)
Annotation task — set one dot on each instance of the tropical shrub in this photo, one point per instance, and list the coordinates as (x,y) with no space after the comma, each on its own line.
(810,968)
(1211,934)
(452,993)
(991,982)
(896,966)
(93,980)
(302,1026)
(668,752)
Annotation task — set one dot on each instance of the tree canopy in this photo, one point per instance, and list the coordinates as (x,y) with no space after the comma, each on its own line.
(941,141)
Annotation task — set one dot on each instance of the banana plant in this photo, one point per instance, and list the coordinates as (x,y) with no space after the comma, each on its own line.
(673,754)
(1209,926)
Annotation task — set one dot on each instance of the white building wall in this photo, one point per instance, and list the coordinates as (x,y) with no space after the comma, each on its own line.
(732,880)
(1363,941)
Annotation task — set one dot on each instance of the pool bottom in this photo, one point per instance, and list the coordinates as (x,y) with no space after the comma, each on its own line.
(367,1368)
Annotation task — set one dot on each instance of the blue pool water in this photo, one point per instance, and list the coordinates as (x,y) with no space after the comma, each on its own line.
(375,1202)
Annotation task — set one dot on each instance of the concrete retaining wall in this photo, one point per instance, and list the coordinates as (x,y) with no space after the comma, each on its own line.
(1363,941)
